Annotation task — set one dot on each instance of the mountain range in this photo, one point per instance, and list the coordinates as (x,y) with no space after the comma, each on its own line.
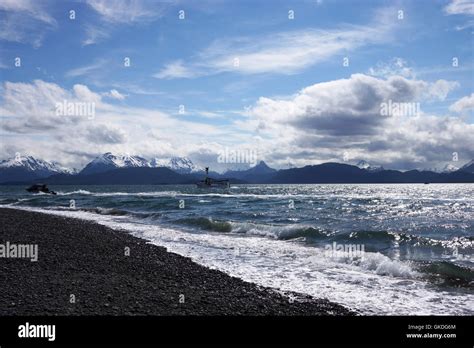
(125,169)
(29,168)
(108,161)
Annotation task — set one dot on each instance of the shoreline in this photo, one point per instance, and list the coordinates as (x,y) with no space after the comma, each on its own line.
(82,268)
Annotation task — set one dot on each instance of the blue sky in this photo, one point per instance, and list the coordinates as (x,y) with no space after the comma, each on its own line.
(245,75)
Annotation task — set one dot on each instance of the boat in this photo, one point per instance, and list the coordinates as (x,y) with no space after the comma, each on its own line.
(209,182)
(37,188)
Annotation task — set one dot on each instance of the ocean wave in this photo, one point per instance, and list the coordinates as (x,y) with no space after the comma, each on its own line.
(377,239)
(107,211)
(286,232)
(134,214)
(383,265)
(207,224)
(401,238)
(381,237)
(448,273)
(11,201)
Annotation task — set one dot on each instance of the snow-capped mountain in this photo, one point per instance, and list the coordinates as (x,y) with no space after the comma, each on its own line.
(448,168)
(22,168)
(367,166)
(181,165)
(109,161)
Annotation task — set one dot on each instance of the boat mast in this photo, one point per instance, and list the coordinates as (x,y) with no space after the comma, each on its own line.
(207,181)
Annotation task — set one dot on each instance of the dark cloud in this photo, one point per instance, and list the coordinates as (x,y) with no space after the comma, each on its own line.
(103,134)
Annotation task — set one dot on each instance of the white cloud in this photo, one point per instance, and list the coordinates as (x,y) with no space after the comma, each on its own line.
(396,66)
(25,21)
(464,104)
(84,70)
(106,134)
(114,94)
(33,107)
(284,52)
(128,11)
(441,88)
(28,7)
(176,69)
(121,12)
(32,126)
(461,7)
(467,25)
(82,92)
(95,34)
(341,107)
(456,7)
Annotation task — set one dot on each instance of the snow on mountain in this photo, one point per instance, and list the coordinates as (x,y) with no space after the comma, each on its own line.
(181,165)
(109,161)
(21,168)
(363,164)
(120,161)
(449,168)
(367,166)
(32,164)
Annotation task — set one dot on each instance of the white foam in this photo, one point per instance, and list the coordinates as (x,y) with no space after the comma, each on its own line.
(111,194)
(383,265)
(77,192)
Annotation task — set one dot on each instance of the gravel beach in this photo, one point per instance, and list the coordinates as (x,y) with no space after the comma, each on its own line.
(83,269)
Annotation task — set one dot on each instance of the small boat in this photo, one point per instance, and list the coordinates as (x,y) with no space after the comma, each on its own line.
(37,188)
(213,183)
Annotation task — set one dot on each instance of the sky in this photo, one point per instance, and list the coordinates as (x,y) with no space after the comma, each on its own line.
(293,83)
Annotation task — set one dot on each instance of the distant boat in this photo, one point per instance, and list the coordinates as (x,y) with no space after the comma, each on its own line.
(213,183)
(37,188)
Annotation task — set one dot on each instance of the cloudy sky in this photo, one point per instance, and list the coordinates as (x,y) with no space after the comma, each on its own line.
(298,82)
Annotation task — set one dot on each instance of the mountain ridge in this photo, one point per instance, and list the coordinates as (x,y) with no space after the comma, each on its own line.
(30,168)
(141,170)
